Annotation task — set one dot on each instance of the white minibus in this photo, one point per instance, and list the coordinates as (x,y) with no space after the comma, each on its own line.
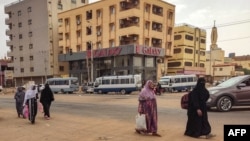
(64,85)
(178,83)
(124,84)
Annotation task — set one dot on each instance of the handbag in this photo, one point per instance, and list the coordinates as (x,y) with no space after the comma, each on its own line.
(25,111)
(140,120)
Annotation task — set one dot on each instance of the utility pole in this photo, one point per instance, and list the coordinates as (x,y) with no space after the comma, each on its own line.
(92,74)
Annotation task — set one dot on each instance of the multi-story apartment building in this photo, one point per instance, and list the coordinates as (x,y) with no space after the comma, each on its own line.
(117,37)
(33,38)
(189,51)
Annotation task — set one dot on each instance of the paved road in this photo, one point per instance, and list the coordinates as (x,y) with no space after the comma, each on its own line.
(111,117)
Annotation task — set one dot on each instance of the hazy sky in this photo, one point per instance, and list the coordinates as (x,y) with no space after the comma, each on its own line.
(232,20)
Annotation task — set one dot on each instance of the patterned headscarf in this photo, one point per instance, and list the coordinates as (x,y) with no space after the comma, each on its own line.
(147,91)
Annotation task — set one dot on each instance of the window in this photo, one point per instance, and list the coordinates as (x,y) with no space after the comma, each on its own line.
(78,19)
(177,37)
(20,24)
(188,63)
(61,68)
(19,13)
(30,46)
(177,50)
(73,1)
(99,13)
(20,48)
(137,61)
(20,36)
(112,10)
(59,6)
(78,33)
(149,62)
(170,15)
(183,79)
(31,69)
(111,43)
(21,59)
(31,58)
(22,69)
(29,22)
(169,30)
(202,65)
(189,37)
(203,41)
(30,34)
(29,9)
(189,51)
(83,1)
(174,64)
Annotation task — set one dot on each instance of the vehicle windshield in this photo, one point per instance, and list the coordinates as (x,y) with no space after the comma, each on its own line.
(230,82)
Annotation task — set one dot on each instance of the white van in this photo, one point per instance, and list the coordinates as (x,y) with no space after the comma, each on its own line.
(64,85)
(178,82)
(124,84)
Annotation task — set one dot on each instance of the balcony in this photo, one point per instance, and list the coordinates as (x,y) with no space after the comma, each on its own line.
(7,21)
(9,43)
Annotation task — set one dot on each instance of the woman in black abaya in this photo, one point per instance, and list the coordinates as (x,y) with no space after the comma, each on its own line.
(198,124)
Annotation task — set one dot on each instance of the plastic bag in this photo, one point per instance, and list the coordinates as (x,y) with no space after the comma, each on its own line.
(140,120)
(40,107)
(25,111)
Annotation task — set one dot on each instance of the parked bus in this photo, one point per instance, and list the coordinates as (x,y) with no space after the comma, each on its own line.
(178,82)
(124,84)
(64,85)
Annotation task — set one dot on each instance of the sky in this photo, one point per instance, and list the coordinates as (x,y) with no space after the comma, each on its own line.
(231,17)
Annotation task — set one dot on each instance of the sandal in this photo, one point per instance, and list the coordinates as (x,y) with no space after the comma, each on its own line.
(208,136)
(137,131)
(155,134)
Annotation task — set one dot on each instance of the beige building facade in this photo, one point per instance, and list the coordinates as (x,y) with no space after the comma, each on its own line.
(188,52)
(33,38)
(117,37)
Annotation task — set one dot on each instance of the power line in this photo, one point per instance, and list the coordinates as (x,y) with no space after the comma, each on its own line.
(234,39)
(228,24)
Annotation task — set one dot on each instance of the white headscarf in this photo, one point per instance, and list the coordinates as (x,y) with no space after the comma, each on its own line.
(30,94)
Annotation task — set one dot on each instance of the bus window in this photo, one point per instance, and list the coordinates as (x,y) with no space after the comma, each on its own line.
(177,80)
(190,79)
(124,81)
(132,81)
(105,82)
(183,80)
(114,81)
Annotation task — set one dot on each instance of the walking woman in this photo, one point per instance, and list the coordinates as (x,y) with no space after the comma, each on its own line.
(30,99)
(197,123)
(19,97)
(46,98)
(148,106)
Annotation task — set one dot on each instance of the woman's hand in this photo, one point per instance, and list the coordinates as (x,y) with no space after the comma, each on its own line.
(199,112)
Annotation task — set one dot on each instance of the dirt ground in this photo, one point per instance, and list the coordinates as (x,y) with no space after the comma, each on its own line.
(63,127)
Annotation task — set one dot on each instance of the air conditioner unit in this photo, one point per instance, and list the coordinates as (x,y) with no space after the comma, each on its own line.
(159,26)
(135,38)
(99,33)
(159,41)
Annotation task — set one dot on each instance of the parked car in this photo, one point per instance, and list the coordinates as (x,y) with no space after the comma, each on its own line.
(232,92)
(88,88)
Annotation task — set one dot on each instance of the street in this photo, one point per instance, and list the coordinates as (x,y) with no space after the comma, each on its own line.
(90,117)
